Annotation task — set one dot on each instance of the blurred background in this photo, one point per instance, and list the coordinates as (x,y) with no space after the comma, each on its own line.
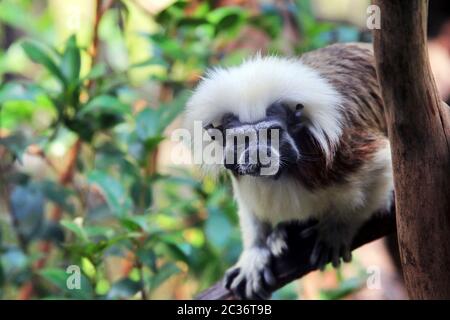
(90,91)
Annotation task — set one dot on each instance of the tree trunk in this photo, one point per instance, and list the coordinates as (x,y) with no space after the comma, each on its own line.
(419,132)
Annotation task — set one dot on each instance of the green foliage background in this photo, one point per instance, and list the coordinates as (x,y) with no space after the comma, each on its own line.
(134,231)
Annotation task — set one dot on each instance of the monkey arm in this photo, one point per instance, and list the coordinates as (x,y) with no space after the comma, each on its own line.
(296,263)
(251,276)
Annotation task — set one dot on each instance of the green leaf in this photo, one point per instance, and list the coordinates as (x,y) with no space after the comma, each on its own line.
(98,71)
(148,258)
(16,144)
(124,288)
(97,230)
(135,223)
(288,292)
(156,60)
(151,123)
(75,228)
(164,273)
(173,250)
(171,110)
(217,228)
(27,207)
(71,61)
(345,288)
(169,46)
(226,18)
(153,142)
(142,193)
(114,193)
(57,193)
(217,15)
(38,55)
(271,22)
(92,248)
(147,124)
(2,277)
(88,267)
(14,262)
(52,231)
(105,104)
(59,277)
(19,92)
(179,180)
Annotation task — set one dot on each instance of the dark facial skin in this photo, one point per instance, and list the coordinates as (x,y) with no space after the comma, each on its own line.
(280,117)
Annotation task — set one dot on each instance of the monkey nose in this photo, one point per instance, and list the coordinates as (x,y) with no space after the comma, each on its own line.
(250,169)
(248,162)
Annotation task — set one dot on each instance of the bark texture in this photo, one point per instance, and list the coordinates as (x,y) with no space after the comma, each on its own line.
(419,133)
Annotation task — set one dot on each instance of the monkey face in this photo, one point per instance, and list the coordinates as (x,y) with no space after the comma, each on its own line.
(262,148)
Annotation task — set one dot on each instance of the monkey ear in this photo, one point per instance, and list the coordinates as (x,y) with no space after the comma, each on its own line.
(298,112)
(298,122)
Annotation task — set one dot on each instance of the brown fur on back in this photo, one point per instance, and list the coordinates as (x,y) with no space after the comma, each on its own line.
(350,69)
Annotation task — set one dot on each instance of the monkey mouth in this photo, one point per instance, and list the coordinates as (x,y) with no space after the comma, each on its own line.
(257,170)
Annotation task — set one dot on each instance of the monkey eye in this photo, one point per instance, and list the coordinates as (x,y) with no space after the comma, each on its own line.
(297,121)
(228,119)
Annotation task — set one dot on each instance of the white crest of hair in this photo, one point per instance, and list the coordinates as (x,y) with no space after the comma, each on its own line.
(249,89)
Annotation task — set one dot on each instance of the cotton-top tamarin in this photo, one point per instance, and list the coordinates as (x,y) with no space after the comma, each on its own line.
(332,162)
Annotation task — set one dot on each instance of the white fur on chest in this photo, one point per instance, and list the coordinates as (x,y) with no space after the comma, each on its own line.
(286,199)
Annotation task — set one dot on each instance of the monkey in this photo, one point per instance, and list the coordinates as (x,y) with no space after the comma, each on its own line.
(332,162)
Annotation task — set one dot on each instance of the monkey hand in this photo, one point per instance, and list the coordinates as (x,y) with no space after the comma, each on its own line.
(333,243)
(252,277)
(277,241)
(332,240)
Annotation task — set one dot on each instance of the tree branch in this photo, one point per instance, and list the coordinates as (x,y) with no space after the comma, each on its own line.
(295,264)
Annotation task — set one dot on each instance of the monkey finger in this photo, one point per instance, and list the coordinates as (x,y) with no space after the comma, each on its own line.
(259,295)
(324,258)
(308,232)
(346,253)
(260,292)
(257,290)
(269,278)
(249,288)
(277,243)
(336,259)
(238,287)
(316,252)
(230,275)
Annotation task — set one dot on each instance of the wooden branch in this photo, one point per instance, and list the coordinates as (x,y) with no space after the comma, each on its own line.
(296,263)
(419,133)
